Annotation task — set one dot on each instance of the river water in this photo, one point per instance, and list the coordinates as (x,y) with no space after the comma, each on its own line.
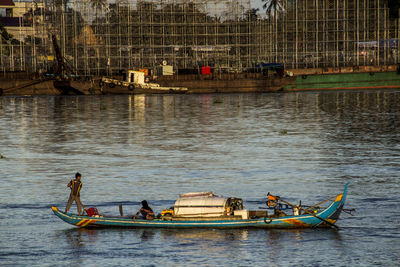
(129,148)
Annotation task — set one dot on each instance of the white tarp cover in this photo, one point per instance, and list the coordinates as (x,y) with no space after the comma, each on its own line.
(200,206)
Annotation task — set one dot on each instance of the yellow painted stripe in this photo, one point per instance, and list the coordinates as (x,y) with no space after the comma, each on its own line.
(86,223)
(339,197)
(331,221)
(81,222)
(295,222)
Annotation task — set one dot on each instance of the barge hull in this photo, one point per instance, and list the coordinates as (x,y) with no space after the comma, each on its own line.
(240,83)
(345,81)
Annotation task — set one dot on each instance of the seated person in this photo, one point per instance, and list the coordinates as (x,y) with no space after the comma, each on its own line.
(146,212)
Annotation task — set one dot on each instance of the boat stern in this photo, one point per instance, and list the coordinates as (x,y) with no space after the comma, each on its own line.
(79,221)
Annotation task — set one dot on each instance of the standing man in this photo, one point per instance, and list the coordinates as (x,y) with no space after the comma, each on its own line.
(75,186)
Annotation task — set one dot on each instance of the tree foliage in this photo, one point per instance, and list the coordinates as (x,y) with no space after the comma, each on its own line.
(273,6)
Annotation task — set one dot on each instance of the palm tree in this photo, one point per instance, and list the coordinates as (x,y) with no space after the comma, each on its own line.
(273,6)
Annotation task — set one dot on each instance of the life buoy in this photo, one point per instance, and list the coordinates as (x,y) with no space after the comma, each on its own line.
(131,87)
(267,222)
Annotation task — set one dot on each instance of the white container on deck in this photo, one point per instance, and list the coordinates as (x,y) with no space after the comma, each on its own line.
(243,213)
(203,204)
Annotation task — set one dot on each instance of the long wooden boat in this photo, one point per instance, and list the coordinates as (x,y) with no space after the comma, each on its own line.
(326,217)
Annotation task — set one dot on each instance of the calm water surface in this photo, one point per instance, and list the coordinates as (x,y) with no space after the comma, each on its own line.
(129,148)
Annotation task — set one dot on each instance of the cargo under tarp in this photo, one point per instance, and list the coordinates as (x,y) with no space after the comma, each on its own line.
(205,204)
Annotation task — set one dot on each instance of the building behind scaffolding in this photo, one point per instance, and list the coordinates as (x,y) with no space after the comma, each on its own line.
(100,37)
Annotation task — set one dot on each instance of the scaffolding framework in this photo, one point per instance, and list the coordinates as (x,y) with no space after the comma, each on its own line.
(98,37)
(334,33)
(185,34)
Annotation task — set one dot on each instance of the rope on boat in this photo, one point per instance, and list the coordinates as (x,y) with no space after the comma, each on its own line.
(317,205)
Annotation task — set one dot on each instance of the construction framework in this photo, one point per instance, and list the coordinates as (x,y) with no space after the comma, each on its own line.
(97,37)
(334,33)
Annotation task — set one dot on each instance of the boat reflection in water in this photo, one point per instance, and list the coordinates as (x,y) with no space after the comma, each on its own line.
(80,237)
(216,235)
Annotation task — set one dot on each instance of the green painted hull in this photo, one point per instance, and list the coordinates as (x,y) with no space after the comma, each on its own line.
(343,81)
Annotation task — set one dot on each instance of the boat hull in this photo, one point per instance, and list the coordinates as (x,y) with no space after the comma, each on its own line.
(320,219)
(346,81)
(227,83)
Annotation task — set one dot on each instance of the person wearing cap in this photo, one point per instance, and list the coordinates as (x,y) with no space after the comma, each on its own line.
(75,186)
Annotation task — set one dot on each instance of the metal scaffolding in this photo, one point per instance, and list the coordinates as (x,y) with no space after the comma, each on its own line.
(334,33)
(105,39)
(23,36)
(100,37)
